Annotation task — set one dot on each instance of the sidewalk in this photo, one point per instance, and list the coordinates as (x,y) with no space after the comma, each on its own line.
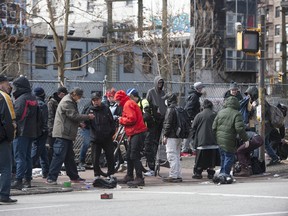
(39,185)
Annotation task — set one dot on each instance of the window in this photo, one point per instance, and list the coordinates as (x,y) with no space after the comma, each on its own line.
(176,65)
(277,11)
(277,29)
(277,47)
(231,20)
(277,65)
(204,58)
(91,4)
(41,57)
(129,62)
(76,59)
(96,64)
(147,63)
(55,59)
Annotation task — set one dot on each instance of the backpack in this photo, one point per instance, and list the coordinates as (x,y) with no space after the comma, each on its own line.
(276,116)
(151,115)
(183,123)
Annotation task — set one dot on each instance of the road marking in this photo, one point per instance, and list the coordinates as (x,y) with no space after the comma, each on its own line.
(266,213)
(211,194)
(31,208)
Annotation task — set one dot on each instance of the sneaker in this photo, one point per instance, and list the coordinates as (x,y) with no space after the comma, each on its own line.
(172,180)
(81,167)
(27,184)
(126,179)
(137,182)
(17,184)
(51,182)
(274,162)
(122,167)
(78,180)
(7,201)
(197,176)
(149,173)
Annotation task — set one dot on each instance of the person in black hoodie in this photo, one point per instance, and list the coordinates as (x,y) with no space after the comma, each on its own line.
(192,107)
(52,104)
(38,146)
(26,118)
(102,129)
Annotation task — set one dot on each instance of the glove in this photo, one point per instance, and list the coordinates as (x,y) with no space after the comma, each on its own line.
(164,140)
(246,144)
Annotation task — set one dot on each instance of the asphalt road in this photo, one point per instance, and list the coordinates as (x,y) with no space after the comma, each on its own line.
(267,196)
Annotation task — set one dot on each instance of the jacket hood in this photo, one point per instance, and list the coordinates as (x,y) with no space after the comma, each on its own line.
(171,98)
(232,102)
(192,90)
(156,80)
(21,85)
(122,97)
(253,92)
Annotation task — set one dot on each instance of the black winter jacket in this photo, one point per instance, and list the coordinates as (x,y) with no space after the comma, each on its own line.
(52,107)
(102,127)
(25,108)
(170,122)
(193,104)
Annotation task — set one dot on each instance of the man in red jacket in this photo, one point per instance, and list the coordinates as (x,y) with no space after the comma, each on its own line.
(132,120)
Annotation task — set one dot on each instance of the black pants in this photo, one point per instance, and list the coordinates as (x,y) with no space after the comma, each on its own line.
(133,154)
(96,148)
(150,147)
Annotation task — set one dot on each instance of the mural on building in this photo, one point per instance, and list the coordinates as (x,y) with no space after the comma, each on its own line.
(12,16)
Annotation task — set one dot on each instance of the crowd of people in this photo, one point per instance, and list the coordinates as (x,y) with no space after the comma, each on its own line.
(30,120)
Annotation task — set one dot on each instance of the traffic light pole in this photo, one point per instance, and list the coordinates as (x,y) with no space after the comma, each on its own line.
(261,84)
(284,52)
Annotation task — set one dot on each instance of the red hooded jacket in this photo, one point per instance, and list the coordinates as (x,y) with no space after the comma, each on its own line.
(131,118)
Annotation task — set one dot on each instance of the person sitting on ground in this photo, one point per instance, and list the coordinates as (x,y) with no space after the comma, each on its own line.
(172,142)
(207,156)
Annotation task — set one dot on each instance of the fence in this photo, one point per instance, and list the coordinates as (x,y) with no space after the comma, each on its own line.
(213,92)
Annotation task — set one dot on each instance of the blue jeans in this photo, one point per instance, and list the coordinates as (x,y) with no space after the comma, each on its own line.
(269,149)
(227,161)
(5,169)
(85,145)
(63,152)
(22,155)
(39,150)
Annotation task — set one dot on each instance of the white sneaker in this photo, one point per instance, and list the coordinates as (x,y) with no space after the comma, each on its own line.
(149,173)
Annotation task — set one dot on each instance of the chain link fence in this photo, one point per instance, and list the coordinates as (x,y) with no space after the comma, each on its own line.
(213,91)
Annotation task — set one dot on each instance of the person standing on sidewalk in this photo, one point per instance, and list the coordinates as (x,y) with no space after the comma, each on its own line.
(26,110)
(39,144)
(102,129)
(7,132)
(173,144)
(207,156)
(192,107)
(52,104)
(65,130)
(135,129)
(226,126)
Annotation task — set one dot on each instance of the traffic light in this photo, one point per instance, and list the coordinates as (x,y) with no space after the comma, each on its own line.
(280,77)
(250,41)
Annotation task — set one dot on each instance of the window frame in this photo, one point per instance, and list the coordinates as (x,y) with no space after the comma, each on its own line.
(40,57)
(76,60)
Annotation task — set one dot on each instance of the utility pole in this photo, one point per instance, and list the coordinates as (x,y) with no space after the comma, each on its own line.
(165,53)
(284,6)
(109,61)
(261,83)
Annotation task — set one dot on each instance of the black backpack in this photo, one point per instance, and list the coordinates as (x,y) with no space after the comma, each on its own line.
(183,123)
(41,128)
